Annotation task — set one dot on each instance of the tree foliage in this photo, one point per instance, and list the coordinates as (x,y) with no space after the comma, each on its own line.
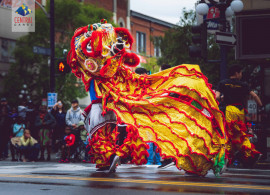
(33,69)
(151,65)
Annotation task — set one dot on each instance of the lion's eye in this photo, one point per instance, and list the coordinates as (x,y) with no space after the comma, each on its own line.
(89,48)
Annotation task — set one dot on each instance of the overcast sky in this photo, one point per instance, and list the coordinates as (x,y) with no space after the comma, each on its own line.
(167,10)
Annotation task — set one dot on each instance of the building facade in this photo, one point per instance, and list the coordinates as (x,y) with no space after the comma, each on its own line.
(8,38)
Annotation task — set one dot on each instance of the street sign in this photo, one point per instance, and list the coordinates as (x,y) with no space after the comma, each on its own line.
(42,50)
(224,38)
(52,99)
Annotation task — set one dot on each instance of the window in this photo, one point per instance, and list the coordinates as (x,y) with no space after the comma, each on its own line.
(121,22)
(157,50)
(141,42)
(6,50)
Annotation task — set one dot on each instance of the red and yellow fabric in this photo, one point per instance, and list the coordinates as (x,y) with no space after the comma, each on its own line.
(103,145)
(237,137)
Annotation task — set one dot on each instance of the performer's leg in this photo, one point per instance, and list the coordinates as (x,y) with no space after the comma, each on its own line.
(157,155)
(134,147)
(151,154)
(238,140)
(103,146)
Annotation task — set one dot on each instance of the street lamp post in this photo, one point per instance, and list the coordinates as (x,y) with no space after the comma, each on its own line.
(227,9)
(24,94)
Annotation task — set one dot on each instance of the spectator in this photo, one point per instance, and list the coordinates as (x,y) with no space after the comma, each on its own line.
(18,130)
(30,119)
(29,146)
(74,115)
(59,114)
(85,141)
(22,110)
(4,102)
(141,71)
(44,123)
(67,145)
(164,67)
(5,130)
(13,115)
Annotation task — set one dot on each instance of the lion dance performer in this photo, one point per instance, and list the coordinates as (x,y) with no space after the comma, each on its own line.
(235,93)
(188,127)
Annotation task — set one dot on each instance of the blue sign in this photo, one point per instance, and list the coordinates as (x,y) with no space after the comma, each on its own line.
(52,99)
(42,50)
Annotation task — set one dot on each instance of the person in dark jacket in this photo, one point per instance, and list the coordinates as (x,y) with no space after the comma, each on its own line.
(44,123)
(31,118)
(235,93)
(5,130)
(59,114)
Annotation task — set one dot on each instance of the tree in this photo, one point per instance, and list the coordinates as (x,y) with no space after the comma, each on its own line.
(174,48)
(151,65)
(32,69)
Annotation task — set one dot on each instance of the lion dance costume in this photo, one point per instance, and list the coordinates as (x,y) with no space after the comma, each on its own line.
(186,126)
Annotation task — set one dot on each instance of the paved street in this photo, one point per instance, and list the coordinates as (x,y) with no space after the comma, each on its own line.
(55,178)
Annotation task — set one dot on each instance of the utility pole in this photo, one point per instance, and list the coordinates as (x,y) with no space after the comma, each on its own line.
(222,6)
(52,46)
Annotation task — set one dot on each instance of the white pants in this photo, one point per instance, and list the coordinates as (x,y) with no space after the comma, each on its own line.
(95,120)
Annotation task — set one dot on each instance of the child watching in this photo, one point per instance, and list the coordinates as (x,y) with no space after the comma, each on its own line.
(29,147)
(18,128)
(67,145)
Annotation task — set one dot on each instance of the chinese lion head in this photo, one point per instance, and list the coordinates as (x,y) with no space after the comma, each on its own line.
(99,49)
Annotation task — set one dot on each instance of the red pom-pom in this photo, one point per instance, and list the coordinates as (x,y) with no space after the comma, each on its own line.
(125,34)
(131,59)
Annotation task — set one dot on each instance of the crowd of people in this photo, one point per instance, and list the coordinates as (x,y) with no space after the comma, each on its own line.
(28,132)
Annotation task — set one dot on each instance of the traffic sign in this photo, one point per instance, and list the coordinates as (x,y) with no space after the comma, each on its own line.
(224,38)
(52,99)
(42,50)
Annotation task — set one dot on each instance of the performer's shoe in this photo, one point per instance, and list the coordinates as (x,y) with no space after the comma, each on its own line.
(189,174)
(166,163)
(114,160)
(256,159)
(103,169)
